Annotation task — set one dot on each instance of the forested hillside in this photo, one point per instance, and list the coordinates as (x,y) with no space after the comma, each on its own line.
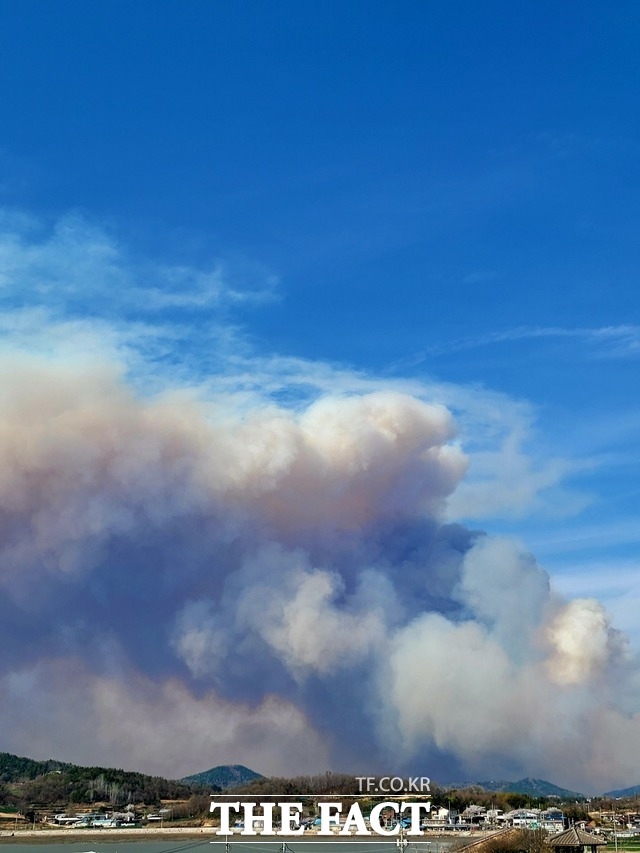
(51,783)
(16,768)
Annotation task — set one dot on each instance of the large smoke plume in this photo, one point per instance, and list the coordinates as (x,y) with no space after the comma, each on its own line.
(186,582)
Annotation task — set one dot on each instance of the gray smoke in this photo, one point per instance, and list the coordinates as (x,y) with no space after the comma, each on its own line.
(186,582)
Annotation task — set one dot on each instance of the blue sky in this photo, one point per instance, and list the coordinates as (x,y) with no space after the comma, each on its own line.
(303,198)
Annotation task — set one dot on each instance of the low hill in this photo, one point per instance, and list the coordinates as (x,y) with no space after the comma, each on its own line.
(322,783)
(223,776)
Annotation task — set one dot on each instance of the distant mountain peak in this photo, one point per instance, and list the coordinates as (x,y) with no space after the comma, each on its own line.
(224,776)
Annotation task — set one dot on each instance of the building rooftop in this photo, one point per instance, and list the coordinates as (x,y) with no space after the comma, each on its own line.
(574,837)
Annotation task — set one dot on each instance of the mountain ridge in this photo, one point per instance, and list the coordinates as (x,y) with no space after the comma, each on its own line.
(621,793)
(529,786)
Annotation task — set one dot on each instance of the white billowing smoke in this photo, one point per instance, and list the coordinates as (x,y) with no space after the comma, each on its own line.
(583,642)
(185,584)
(518,673)
(452,684)
(503,588)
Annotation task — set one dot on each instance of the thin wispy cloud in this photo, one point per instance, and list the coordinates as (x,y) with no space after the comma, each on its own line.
(622,341)
(71,290)
(598,536)
(74,267)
